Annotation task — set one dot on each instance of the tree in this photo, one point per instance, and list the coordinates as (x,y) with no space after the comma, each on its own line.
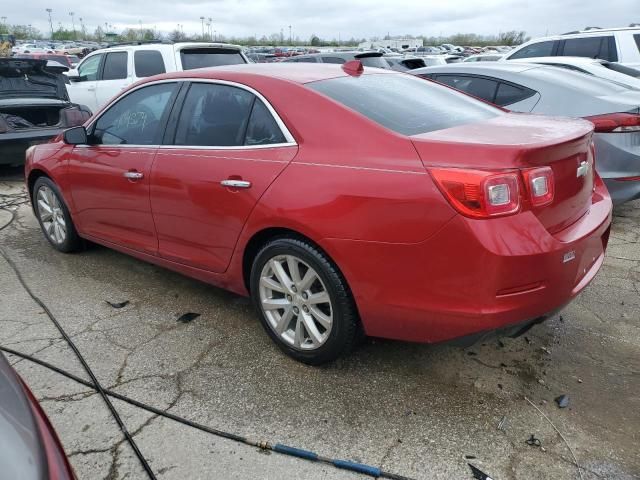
(512,38)
(99,34)
(315,41)
(177,35)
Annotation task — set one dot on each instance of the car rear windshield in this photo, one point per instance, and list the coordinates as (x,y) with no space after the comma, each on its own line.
(209,57)
(376,62)
(405,104)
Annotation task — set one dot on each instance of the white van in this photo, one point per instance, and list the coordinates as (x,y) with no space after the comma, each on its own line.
(620,45)
(104,73)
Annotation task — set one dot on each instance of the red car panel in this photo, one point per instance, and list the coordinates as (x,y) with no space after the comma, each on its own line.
(418,268)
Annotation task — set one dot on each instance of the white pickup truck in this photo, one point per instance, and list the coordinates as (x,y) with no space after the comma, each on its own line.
(104,73)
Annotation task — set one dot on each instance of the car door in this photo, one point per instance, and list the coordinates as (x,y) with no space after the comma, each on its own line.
(82,89)
(227,148)
(109,178)
(114,77)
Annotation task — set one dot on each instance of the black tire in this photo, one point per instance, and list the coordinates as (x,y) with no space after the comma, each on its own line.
(345,328)
(72,241)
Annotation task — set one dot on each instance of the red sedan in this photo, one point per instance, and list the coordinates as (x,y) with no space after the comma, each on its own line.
(343,201)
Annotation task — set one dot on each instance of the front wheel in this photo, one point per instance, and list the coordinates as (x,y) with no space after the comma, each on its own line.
(303,301)
(53,216)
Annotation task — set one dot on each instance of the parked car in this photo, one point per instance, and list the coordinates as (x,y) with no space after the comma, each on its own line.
(403,63)
(368,59)
(261,57)
(612,71)
(614,109)
(484,57)
(612,44)
(34,106)
(30,48)
(31,449)
(104,73)
(62,59)
(460,218)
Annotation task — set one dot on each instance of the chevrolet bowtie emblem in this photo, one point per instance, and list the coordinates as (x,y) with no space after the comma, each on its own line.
(583,169)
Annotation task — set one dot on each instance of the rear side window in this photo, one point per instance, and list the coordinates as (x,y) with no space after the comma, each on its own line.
(477,86)
(115,66)
(508,94)
(209,57)
(337,60)
(148,63)
(214,116)
(262,128)
(404,103)
(592,47)
(540,49)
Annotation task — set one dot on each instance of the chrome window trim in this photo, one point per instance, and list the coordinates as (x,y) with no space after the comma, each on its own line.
(290,140)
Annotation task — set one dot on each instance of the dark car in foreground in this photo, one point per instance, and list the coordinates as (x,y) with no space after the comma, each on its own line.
(29,447)
(34,106)
(388,205)
(613,108)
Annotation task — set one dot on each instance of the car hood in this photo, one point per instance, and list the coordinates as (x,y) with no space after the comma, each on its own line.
(20,448)
(29,78)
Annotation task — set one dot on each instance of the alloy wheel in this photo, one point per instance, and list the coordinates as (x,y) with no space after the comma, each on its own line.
(295,302)
(51,215)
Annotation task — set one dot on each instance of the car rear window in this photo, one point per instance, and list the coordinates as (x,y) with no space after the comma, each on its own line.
(209,57)
(148,63)
(593,47)
(405,104)
(376,62)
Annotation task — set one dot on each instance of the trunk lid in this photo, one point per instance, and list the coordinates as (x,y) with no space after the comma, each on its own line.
(521,141)
(29,78)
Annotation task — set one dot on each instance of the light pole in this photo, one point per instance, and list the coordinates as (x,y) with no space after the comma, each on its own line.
(202,20)
(84,33)
(210,23)
(215,36)
(290,35)
(50,22)
(73,23)
(140,23)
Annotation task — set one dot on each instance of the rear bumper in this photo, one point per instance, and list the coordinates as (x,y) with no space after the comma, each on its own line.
(473,275)
(14,145)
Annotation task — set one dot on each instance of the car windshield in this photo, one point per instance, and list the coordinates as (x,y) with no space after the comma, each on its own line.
(405,104)
(209,57)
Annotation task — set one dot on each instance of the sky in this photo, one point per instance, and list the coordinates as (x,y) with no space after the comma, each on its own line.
(331,18)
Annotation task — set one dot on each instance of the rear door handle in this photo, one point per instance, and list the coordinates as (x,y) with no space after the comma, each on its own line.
(133,175)
(235,183)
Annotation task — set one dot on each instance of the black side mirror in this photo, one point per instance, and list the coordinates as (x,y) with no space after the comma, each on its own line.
(76,136)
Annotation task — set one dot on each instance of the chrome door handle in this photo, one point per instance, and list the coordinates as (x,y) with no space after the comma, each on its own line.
(133,175)
(235,183)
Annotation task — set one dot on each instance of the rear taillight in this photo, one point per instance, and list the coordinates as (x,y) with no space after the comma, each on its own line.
(616,122)
(540,185)
(479,193)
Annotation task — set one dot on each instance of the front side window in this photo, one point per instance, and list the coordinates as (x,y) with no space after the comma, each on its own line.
(135,119)
(115,66)
(88,70)
(540,49)
(209,57)
(403,103)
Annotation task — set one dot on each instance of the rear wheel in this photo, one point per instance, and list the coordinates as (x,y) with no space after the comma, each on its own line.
(54,218)
(303,301)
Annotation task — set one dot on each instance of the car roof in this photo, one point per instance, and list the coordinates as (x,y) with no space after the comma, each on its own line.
(559,59)
(289,71)
(171,45)
(512,67)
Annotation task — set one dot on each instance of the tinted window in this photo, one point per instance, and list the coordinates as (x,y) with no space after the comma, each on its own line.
(209,57)
(307,59)
(478,87)
(540,49)
(508,94)
(115,66)
(377,62)
(135,119)
(148,63)
(262,129)
(403,103)
(636,37)
(214,115)
(337,60)
(88,70)
(616,67)
(584,47)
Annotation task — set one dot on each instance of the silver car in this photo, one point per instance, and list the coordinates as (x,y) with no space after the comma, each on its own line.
(613,108)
